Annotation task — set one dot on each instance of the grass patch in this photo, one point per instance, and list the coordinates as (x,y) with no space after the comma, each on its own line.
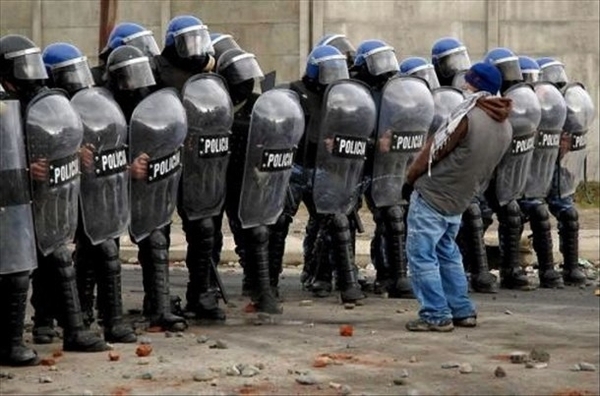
(588,197)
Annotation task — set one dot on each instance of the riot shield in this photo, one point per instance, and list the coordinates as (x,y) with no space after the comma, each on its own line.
(580,115)
(54,133)
(17,236)
(543,161)
(104,193)
(445,100)
(276,126)
(158,128)
(348,121)
(405,114)
(513,170)
(206,150)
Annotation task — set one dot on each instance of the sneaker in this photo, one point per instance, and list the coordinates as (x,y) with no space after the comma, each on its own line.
(470,321)
(421,325)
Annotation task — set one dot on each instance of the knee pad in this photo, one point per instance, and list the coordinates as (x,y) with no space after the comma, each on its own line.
(340,227)
(158,239)
(110,251)
(540,216)
(569,218)
(259,235)
(395,219)
(512,215)
(61,257)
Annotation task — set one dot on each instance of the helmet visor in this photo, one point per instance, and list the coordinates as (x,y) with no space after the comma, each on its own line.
(132,74)
(427,73)
(222,44)
(193,41)
(459,80)
(144,41)
(241,68)
(333,69)
(452,63)
(28,64)
(510,69)
(381,60)
(531,76)
(554,74)
(73,75)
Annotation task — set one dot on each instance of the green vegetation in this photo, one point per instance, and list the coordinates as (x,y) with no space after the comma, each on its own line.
(588,196)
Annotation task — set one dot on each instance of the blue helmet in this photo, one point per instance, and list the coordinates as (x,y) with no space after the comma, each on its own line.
(68,67)
(553,71)
(129,33)
(326,64)
(221,43)
(529,69)
(340,42)
(420,67)
(506,61)
(449,56)
(189,36)
(378,57)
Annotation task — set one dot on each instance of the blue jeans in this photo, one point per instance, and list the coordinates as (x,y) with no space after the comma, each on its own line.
(436,270)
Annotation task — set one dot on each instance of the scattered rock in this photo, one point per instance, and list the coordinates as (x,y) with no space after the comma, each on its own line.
(322,361)
(219,344)
(52,368)
(346,330)
(536,365)
(583,366)
(168,334)
(413,359)
(250,371)
(48,362)
(146,376)
(400,381)
(202,339)
(113,356)
(345,390)
(539,355)
(404,373)
(306,303)
(518,357)
(232,371)
(499,372)
(465,368)
(508,312)
(203,375)
(450,365)
(307,379)
(6,375)
(57,353)
(349,305)
(143,350)
(179,334)
(335,385)
(45,380)
(143,361)
(260,366)
(88,392)
(145,341)
(126,376)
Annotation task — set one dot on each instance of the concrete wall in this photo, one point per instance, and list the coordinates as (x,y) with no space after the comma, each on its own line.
(281,32)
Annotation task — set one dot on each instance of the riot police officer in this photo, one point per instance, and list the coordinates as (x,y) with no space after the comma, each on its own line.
(104,203)
(157,129)
(569,168)
(54,132)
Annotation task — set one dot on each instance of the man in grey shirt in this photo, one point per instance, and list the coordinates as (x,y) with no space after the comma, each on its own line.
(446,174)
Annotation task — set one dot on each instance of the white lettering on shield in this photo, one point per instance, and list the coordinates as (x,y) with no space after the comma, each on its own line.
(408,142)
(164,166)
(523,145)
(113,161)
(347,147)
(64,172)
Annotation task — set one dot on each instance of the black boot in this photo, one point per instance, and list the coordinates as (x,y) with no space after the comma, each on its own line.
(350,290)
(76,338)
(395,251)
(276,252)
(258,258)
(383,279)
(161,315)
(43,299)
(308,250)
(321,284)
(145,260)
(568,230)
(482,281)
(86,261)
(542,245)
(13,301)
(110,297)
(510,229)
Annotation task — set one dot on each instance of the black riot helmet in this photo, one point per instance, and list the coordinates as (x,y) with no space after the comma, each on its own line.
(128,69)
(240,69)
(21,61)
(221,43)
(342,43)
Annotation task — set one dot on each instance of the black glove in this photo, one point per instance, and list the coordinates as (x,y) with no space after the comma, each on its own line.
(407,190)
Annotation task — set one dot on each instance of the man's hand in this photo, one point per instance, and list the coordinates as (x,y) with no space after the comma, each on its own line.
(139,167)
(385,142)
(329,144)
(39,170)
(86,155)
(565,144)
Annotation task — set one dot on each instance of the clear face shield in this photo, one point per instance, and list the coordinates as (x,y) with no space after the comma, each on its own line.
(381,60)
(132,74)
(28,64)
(144,41)
(241,68)
(333,68)
(427,73)
(554,72)
(193,41)
(510,68)
(453,61)
(531,76)
(72,75)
